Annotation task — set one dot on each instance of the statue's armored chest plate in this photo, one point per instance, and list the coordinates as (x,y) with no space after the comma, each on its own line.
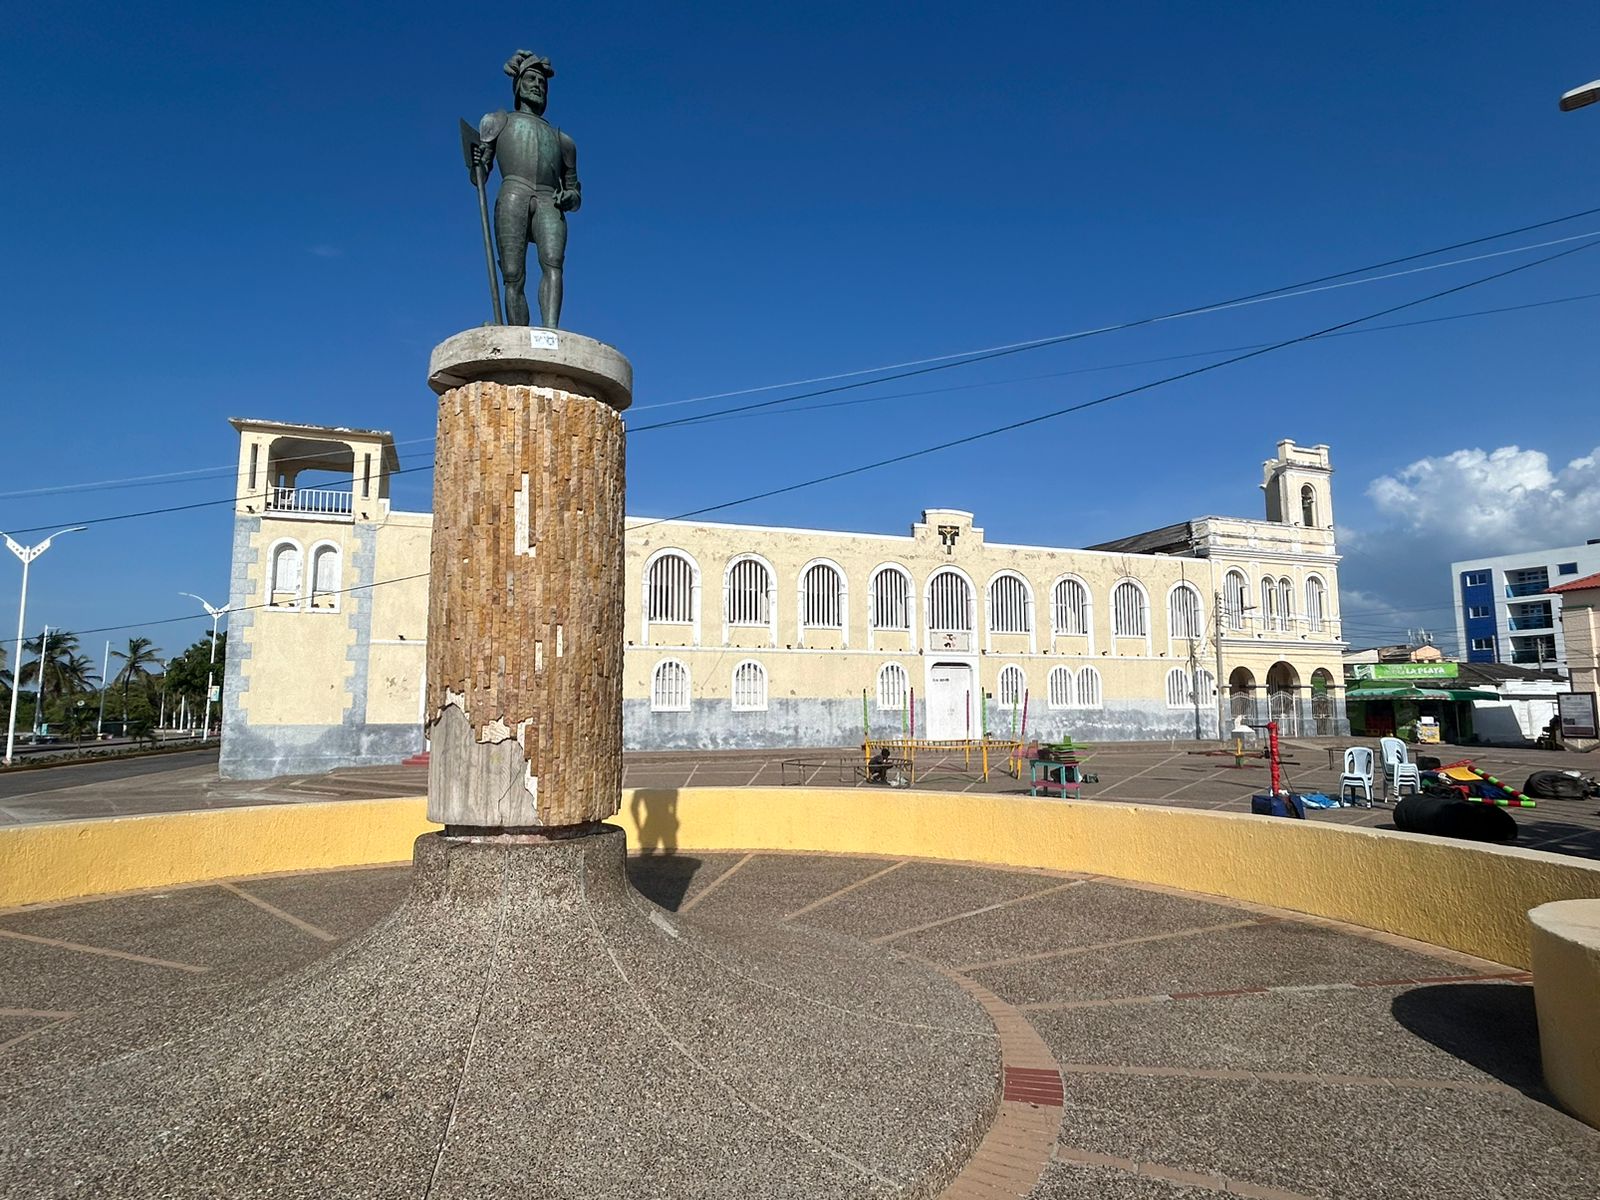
(529,146)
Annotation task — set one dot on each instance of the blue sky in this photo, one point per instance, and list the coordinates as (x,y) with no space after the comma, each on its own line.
(218,210)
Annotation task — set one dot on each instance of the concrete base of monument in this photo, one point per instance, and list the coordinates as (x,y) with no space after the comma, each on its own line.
(527,1025)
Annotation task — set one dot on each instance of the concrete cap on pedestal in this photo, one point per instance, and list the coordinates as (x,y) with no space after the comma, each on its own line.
(513,354)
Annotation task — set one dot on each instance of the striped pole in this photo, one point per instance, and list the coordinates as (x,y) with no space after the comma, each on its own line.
(1517,799)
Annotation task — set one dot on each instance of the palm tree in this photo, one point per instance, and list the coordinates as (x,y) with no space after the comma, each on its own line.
(62,666)
(137,660)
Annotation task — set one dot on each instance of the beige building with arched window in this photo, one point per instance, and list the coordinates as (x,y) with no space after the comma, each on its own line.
(761,636)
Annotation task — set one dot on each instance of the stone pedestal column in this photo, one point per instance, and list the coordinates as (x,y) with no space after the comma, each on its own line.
(525,603)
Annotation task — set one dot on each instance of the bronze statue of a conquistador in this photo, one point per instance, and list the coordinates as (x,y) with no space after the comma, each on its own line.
(538,187)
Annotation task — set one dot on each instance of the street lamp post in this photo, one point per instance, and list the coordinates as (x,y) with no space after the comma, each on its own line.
(27,554)
(214,613)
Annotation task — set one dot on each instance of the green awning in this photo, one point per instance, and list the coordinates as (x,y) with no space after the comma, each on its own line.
(1412,693)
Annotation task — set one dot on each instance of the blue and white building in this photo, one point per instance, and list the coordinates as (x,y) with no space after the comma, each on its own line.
(1505,611)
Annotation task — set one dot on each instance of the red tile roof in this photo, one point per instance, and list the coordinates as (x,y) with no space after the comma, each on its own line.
(1577,585)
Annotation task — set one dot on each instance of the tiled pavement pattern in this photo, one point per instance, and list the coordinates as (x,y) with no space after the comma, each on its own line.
(1201,1049)
(1178,775)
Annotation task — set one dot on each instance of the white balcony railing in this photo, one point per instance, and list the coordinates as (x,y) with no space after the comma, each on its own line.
(1253,625)
(328,504)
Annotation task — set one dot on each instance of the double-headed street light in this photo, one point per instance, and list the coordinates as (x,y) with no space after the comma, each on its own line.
(27,554)
(215,614)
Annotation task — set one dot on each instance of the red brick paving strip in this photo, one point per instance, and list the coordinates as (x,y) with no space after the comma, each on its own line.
(1017,1150)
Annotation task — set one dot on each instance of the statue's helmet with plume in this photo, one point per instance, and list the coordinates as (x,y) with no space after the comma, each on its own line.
(527,60)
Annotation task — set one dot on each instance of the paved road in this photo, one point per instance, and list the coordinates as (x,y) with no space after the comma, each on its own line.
(15,784)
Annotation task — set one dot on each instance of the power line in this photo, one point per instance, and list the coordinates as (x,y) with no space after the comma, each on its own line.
(735,414)
(1217,306)
(174,508)
(193,475)
(1021,347)
(1126,392)
(969,438)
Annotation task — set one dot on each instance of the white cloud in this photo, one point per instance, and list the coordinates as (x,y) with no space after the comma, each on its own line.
(1444,508)
(323,250)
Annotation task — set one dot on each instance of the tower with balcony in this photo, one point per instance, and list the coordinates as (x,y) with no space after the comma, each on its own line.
(311,508)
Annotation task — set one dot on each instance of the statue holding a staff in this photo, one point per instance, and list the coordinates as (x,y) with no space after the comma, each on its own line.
(538,188)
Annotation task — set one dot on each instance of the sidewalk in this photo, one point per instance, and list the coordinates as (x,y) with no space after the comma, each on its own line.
(1178,774)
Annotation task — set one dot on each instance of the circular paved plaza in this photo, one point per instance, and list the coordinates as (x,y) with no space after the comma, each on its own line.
(1202,1048)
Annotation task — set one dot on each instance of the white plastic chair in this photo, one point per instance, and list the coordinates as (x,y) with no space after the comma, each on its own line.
(1398,769)
(1357,773)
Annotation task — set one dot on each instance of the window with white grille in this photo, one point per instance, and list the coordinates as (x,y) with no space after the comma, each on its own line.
(285,564)
(1088,688)
(1061,687)
(1235,598)
(669,590)
(325,572)
(1316,604)
(1070,607)
(894,687)
(1285,603)
(1130,614)
(749,687)
(1208,689)
(1010,605)
(1183,612)
(1180,690)
(1271,614)
(1013,686)
(949,603)
(822,603)
(669,687)
(749,593)
(891,599)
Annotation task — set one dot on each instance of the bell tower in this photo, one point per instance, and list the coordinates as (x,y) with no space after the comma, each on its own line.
(1298,486)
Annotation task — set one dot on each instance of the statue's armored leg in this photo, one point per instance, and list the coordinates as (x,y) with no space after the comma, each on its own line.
(511,236)
(550,232)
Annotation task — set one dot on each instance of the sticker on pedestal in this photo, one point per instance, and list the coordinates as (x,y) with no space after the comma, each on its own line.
(544,339)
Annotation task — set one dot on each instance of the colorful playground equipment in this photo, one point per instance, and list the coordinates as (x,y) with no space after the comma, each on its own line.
(1469,783)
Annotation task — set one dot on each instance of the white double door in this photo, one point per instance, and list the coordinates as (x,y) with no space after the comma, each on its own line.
(952,701)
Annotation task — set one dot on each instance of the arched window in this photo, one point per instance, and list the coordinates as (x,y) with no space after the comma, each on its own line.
(894,688)
(325,571)
(1061,687)
(1235,598)
(821,597)
(1088,688)
(1272,614)
(1069,607)
(1308,506)
(749,687)
(1285,603)
(1013,686)
(1130,613)
(283,590)
(1010,605)
(1180,690)
(891,599)
(669,687)
(669,589)
(749,592)
(1208,689)
(949,603)
(1316,603)
(1183,612)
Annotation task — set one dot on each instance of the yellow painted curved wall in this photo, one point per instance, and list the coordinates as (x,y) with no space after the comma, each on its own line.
(1464,896)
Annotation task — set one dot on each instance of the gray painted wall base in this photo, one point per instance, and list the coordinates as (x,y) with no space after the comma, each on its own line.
(262,752)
